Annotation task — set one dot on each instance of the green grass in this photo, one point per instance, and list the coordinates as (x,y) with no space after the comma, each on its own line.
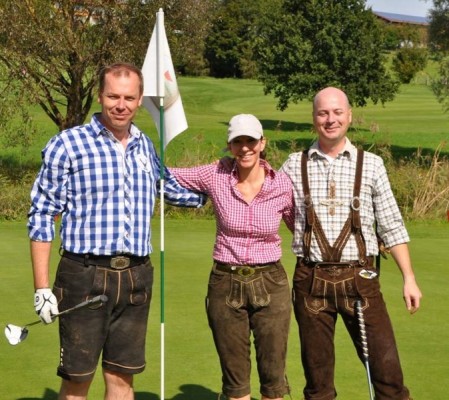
(192,370)
(413,120)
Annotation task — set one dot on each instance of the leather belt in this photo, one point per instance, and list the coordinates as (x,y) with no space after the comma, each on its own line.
(246,270)
(368,262)
(117,262)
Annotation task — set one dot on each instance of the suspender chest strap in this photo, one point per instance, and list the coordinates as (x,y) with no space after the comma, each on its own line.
(352,225)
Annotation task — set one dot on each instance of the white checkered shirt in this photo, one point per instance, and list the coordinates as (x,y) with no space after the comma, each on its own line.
(377,200)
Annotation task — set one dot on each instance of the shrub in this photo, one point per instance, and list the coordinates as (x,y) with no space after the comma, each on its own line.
(421,185)
(420,182)
(14,198)
(408,62)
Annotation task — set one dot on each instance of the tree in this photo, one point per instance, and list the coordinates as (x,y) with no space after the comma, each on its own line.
(188,23)
(397,36)
(228,38)
(440,85)
(408,61)
(311,44)
(55,49)
(229,46)
(439,40)
(439,26)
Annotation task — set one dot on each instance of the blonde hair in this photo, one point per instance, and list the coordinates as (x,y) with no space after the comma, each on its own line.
(120,69)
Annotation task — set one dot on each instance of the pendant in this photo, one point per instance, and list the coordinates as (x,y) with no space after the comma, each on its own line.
(331,201)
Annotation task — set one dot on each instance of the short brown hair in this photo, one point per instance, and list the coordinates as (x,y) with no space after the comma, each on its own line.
(119,69)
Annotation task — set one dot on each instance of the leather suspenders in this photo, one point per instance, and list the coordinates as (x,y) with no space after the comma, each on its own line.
(352,225)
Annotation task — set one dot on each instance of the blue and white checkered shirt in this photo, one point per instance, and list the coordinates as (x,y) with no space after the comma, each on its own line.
(377,200)
(105,194)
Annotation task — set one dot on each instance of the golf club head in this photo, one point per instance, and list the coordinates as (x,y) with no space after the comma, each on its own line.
(15,334)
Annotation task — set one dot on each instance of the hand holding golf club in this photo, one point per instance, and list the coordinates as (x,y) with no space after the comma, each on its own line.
(16,334)
(46,305)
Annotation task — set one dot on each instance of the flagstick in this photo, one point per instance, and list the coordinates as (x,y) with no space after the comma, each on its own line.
(158,71)
(162,176)
(161,94)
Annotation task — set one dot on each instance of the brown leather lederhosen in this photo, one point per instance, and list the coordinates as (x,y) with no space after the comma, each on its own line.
(351,226)
(323,289)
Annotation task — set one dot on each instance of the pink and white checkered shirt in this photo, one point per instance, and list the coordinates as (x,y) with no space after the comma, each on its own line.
(247,234)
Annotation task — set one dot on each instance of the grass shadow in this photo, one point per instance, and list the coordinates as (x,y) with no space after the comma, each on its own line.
(280,125)
(187,392)
(196,392)
(289,145)
(146,396)
(397,152)
(48,395)
(15,168)
(285,126)
(52,395)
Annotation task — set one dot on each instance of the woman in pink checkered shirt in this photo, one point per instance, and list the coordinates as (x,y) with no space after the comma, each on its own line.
(248,288)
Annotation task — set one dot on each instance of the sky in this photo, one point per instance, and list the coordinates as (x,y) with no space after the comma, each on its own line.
(416,8)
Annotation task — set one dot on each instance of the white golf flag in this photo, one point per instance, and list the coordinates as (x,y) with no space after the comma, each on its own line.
(160,83)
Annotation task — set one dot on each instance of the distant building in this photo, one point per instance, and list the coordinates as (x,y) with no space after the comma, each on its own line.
(401,18)
(403,23)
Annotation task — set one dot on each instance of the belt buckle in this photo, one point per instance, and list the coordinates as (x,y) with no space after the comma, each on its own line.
(120,262)
(246,271)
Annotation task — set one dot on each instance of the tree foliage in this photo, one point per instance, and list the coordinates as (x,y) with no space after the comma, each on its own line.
(439,26)
(440,85)
(439,39)
(311,44)
(399,35)
(187,24)
(408,61)
(229,46)
(229,39)
(56,49)
(16,125)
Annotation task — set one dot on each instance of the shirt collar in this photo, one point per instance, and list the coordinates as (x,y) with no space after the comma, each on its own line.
(99,128)
(349,150)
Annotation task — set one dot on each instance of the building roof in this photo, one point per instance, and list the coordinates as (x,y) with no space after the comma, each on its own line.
(402,18)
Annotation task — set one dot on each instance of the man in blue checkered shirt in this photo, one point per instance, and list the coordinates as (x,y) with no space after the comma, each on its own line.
(102,178)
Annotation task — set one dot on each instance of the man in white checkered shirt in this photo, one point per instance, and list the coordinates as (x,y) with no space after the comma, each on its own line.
(335,252)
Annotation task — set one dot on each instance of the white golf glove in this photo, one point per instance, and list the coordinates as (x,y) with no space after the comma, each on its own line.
(45,304)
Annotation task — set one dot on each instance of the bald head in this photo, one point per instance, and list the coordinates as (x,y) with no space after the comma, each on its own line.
(331,92)
(332,116)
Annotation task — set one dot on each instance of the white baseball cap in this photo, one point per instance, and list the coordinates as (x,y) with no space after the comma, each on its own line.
(244,125)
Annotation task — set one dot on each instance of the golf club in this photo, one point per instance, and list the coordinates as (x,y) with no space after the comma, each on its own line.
(16,334)
(361,319)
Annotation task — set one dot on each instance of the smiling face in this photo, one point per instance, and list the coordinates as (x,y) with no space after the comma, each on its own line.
(332,116)
(246,150)
(120,99)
